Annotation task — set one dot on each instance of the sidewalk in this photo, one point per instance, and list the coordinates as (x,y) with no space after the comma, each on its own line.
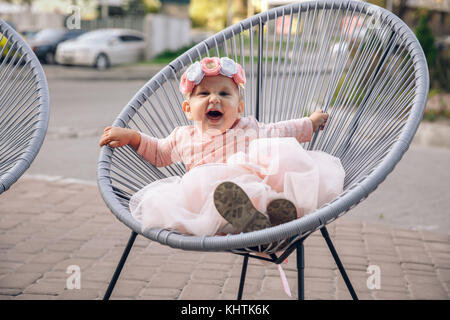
(47,226)
(119,73)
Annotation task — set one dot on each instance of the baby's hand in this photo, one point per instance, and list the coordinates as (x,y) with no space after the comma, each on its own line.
(118,137)
(319,119)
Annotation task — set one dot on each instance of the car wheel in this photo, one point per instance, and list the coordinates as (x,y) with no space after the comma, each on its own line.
(49,58)
(102,62)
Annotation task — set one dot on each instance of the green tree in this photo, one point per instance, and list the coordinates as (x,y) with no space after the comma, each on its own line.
(211,14)
(426,40)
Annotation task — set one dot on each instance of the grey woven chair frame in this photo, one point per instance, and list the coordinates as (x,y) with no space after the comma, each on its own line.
(375,91)
(24,106)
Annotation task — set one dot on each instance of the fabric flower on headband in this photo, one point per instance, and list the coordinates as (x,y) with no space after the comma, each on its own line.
(211,67)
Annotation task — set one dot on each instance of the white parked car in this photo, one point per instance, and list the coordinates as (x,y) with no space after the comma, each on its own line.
(102,48)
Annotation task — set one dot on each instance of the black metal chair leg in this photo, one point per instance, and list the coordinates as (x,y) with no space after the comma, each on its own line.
(242,282)
(120,265)
(301,270)
(339,263)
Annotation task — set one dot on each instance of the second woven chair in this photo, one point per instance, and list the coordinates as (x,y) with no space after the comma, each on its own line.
(24,106)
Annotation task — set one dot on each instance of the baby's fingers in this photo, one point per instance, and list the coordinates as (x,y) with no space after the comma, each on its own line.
(114,144)
(105,139)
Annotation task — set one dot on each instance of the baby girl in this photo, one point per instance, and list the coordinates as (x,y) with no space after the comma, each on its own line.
(242,175)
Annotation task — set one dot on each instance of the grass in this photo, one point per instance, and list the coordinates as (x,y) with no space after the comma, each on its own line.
(167,56)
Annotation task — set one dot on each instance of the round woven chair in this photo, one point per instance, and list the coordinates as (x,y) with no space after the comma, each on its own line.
(24,106)
(358,62)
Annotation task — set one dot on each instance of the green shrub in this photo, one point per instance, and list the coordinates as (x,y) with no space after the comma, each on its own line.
(426,40)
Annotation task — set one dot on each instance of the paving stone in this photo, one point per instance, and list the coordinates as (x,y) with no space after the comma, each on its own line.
(64,246)
(209,274)
(10,292)
(421,279)
(19,280)
(200,291)
(428,292)
(215,257)
(187,267)
(231,285)
(215,266)
(30,246)
(254,272)
(16,257)
(389,269)
(49,257)
(378,241)
(275,295)
(312,295)
(438,247)
(358,283)
(168,280)
(345,295)
(91,275)
(138,273)
(47,287)
(6,224)
(95,285)
(82,263)
(443,275)
(315,284)
(27,296)
(11,239)
(434,237)
(60,274)
(90,253)
(389,295)
(418,266)
(35,268)
(153,293)
(10,266)
(406,242)
(147,260)
(128,288)
(380,258)
(402,233)
(413,255)
(79,294)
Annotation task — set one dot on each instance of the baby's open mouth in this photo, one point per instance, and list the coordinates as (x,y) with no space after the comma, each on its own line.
(214,114)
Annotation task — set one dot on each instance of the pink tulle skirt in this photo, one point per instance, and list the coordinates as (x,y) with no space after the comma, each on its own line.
(273,168)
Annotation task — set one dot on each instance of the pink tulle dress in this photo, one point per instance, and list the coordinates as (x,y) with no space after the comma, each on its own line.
(265,160)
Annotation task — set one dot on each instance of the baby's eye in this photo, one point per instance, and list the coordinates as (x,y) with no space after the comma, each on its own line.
(224,93)
(203,93)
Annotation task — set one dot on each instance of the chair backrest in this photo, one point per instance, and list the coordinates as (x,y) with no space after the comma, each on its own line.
(358,62)
(24,106)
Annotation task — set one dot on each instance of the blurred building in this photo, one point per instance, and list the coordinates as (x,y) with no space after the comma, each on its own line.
(407,10)
(175,8)
(439,11)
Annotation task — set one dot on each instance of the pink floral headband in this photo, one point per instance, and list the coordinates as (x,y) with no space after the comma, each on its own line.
(211,67)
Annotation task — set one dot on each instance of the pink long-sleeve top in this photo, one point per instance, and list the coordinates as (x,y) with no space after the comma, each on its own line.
(189,145)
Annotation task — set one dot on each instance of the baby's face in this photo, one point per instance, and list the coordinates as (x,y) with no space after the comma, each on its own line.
(214,104)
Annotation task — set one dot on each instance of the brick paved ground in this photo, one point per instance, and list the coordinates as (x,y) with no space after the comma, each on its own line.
(47,226)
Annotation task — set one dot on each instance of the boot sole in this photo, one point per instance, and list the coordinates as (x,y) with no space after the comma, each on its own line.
(235,206)
(281,211)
